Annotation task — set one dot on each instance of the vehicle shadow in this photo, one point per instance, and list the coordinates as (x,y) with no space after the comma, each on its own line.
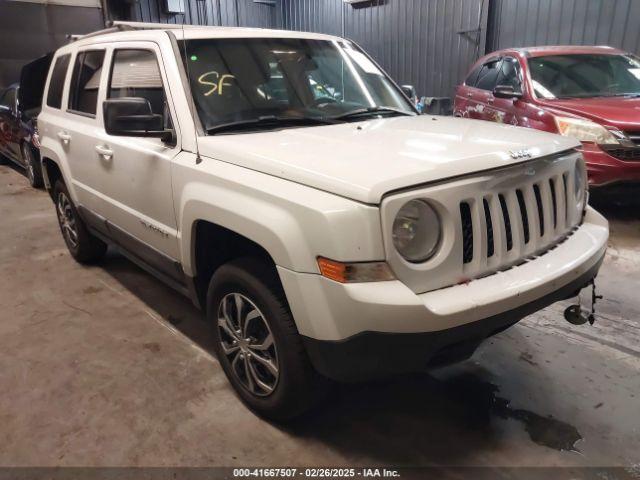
(408,420)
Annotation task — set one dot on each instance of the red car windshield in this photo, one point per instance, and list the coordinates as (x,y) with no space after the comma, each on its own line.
(585,76)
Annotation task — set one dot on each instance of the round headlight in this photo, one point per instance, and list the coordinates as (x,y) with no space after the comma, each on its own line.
(416,231)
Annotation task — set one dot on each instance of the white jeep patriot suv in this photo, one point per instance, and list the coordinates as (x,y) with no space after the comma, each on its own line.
(284,182)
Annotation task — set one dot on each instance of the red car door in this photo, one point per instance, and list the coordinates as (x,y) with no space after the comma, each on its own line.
(479,103)
(464,94)
(510,110)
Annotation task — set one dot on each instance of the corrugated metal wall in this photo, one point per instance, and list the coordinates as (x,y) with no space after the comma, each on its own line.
(29,30)
(519,23)
(417,42)
(236,13)
(427,43)
(321,16)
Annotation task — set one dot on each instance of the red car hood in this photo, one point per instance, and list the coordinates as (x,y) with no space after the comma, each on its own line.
(619,112)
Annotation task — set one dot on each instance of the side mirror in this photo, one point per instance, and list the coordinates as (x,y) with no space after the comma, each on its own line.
(410,91)
(506,91)
(132,117)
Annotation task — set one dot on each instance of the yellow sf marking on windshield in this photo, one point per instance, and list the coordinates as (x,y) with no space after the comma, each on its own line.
(217,85)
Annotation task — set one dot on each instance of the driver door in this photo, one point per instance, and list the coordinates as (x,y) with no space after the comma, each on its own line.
(510,109)
(136,196)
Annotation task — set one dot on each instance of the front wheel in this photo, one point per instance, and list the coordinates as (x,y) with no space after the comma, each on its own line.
(257,342)
(31,164)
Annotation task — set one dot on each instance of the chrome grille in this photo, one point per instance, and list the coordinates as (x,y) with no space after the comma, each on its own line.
(627,154)
(492,221)
(634,137)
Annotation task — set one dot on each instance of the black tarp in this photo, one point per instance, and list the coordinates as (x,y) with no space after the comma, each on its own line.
(32,79)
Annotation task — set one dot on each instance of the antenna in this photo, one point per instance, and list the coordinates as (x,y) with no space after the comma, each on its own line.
(186,61)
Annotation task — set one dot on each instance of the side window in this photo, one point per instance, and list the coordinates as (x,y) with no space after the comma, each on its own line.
(85,82)
(488,75)
(54,96)
(473,77)
(509,74)
(136,73)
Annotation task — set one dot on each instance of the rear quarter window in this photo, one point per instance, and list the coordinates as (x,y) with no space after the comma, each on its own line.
(85,82)
(56,85)
(473,77)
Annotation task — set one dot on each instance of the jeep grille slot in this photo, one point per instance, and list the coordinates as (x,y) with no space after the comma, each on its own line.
(507,222)
(467,232)
(565,194)
(487,218)
(536,191)
(552,188)
(523,215)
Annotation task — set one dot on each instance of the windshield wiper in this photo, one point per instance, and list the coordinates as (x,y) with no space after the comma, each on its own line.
(627,95)
(269,121)
(372,111)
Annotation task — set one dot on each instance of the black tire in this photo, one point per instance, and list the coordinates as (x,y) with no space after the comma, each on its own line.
(83,246)
(32,166)
(298,386)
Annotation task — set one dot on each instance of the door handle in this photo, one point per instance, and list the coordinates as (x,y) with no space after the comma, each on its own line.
(65,137)
(490,101)
(469,94)
(104,152)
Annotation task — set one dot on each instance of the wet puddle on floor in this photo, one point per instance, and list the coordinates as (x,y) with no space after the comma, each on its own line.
(546,431)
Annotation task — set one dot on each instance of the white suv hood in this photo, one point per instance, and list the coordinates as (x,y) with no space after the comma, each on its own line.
(365,160)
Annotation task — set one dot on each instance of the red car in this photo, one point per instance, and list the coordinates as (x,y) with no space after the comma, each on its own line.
(590,93)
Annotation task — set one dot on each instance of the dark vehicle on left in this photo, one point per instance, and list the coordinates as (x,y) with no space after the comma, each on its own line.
(19,108)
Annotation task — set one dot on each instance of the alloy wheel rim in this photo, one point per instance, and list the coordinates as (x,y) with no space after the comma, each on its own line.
(67,220)
(248,344)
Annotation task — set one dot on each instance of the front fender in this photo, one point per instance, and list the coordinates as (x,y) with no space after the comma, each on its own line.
(292,222)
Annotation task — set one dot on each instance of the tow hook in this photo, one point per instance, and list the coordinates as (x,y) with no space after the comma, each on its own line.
(577,315)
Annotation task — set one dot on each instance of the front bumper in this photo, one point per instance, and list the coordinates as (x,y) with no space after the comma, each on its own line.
(339,321)
(604,169)
(373,354)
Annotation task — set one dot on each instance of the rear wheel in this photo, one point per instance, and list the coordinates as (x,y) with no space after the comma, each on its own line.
(257,342)
(83,246)
(31,164)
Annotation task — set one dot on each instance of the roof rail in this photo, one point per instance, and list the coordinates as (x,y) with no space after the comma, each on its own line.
(121,26)
(109,29)
(149,26)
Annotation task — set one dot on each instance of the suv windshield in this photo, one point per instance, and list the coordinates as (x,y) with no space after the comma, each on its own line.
(242,81)
(585,75)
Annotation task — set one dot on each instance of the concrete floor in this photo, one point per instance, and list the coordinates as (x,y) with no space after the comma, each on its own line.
(105,366)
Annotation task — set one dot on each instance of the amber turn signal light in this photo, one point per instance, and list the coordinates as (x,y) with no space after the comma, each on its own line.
(355,272)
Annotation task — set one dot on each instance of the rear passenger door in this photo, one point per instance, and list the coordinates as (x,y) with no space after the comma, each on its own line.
(76,133)
(135,172)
